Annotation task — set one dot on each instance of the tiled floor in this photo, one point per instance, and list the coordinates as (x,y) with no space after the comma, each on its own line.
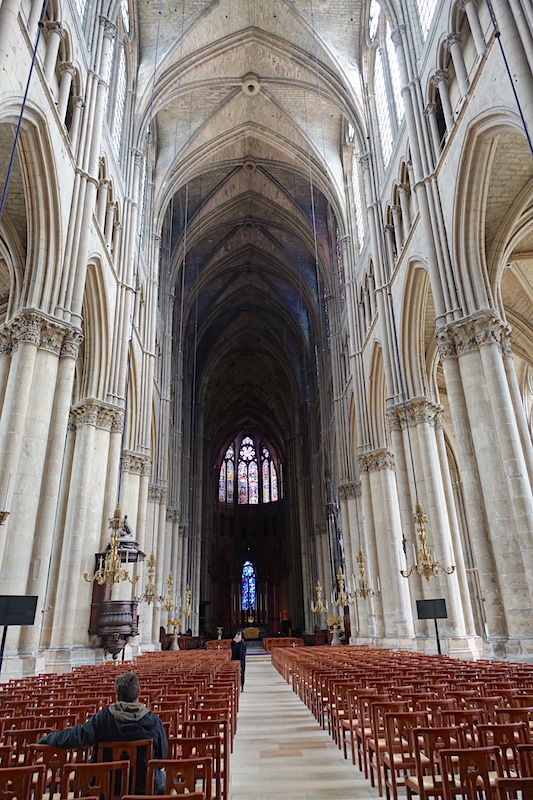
(281,752)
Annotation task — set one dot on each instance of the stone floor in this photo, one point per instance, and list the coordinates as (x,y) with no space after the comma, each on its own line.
(281,752)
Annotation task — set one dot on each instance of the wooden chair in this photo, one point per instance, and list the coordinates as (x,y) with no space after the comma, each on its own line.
(5,755)
(468,718)
(204,747)
(108,780)
(22,783)
(363,728)
(398,758)
(525,759)
(426,781)
(507,738)
(376,743)
(183,774)
(188,796)
(54,759)
(508,788)
(19,740)
(466,772)
(138,753)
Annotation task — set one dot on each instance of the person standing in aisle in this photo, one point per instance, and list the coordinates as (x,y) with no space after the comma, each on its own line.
(238,653)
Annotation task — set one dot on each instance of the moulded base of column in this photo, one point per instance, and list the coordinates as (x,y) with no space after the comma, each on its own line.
(469,648)
(509,648)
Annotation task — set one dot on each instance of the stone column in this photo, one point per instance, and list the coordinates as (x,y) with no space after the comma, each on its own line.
(385,511)
(453,45)
(68,342)
(77,106)
(397,225)
(68,70)
(55,33)
(431,109)
(470,8)
(440,80)
(506,496)
(25,331)
(425,420)
(110,215)
(76,558)
(404,205)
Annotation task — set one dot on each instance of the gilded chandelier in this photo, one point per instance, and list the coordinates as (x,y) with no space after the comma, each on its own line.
(425,565)
(111,571)
(319,607)
(363,589)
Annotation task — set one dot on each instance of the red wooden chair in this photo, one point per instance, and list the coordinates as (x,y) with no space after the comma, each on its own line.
(22,783)
(204,747)
(183,774)
(525,759)
(188,796)
(427,743)
(466,773)
(108,780)
(399,756)
(508,788)
(507,738)
(138,753)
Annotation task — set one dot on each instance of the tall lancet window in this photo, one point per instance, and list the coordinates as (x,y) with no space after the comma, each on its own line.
(248,586)
(270,478)
(247,473)
(226,477)
(250,474)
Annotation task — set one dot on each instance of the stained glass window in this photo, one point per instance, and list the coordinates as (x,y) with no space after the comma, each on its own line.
(256,483)
(225,477)
(248,586)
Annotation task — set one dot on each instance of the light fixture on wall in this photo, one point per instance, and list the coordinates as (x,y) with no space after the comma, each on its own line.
(110,570)
(150,595)
(362,589)
(425,565)
(319,607)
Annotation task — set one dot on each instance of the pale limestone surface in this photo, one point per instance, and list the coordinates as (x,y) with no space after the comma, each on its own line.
(280,751)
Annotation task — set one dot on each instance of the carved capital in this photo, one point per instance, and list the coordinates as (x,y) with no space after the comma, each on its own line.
(451,39)
(135,463)
(346,491)
(438,76)
(26,327)
(6,341)
(430,109)
(86,413)
(396,35)
(467,335)
(376,460)
(109,27)
(172,515)
(68,66)
(52,26)
(71,343)
(117,423)
(419,410)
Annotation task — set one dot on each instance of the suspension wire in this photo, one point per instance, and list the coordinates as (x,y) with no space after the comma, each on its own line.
(22,109)
(140,234)
(308,392)
(388,277)
(497,36)
(331,500)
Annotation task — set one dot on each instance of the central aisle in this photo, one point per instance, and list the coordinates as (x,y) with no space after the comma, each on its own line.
(280,750)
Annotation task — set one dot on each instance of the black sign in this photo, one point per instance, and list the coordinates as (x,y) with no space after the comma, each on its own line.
(17,609)
(432,609)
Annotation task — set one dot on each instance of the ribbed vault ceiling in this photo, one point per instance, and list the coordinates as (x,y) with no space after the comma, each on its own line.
(247,112)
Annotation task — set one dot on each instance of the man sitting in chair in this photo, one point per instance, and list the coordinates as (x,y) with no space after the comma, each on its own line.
(127,720)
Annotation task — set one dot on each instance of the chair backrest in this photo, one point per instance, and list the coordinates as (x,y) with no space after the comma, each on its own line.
(525,759)
(507,737)
(183,774)
(508,788)
(188,796)
(22,783)
(204,747)
(108,780)
(466,772)
(138,753)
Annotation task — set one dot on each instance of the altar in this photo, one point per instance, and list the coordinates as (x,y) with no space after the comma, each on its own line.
(251,633)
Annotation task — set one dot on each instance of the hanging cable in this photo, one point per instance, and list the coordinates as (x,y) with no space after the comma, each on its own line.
(22,109)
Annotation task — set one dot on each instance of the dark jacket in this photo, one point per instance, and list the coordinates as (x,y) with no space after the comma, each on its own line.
(120,722)
(238,653)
